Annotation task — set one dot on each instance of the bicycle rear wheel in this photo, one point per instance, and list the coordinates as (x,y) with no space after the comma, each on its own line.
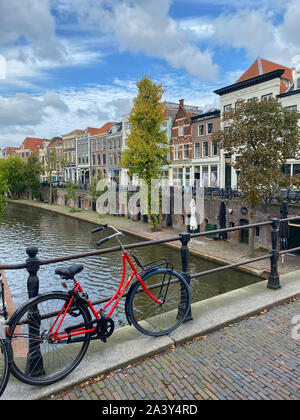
(36,359)
(4,365)
(154,319)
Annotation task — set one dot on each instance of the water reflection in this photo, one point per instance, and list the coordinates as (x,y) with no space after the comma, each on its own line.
(57,235)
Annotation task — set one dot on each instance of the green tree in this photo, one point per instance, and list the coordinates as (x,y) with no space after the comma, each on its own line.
(71,189)
(13,174)
(32,172)
(261,136)
(3,188)
(147,143)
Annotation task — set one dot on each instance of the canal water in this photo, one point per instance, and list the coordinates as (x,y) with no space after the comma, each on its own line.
(58,235)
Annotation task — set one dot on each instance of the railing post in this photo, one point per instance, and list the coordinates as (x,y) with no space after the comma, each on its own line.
(34,363)
(274,281)
(184,239)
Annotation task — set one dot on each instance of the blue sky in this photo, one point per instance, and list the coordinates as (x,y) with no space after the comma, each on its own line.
(70,64)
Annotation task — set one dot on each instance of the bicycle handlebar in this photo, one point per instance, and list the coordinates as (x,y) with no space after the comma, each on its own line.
(99,229)
(107,238)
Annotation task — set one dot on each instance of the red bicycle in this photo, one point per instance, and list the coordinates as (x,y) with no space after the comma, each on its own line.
(50,333)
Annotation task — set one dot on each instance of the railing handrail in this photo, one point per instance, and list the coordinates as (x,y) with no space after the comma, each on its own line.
(153,242)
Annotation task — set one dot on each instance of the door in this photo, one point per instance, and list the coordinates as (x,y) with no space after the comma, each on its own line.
(294,236)
(244,232)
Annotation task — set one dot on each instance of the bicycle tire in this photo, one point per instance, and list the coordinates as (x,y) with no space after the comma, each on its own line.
(4,365)
(43,363)
(151,318)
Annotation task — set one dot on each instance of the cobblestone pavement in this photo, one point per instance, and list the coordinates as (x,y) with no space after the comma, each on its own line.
(255,359)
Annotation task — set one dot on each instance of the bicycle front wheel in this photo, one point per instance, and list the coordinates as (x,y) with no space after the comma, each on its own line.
(4,366)
(152,318)
(37,359)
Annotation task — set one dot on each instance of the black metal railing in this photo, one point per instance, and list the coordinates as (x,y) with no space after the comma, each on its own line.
(33,263)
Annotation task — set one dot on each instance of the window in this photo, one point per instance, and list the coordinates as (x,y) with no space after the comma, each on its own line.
(205,149)
(180,130)
(205,176)
(103,144)
(186,151)
(227,107)
(197,150)
(291,108)
(176,153)
(99,159)
(210,128)
(296,169)
(104,159)
(177,176)
(98,145)
(214,149)
(214,176)
(201,130)
(267,97)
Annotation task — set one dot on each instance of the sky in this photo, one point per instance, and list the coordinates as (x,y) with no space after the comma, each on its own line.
(72,64)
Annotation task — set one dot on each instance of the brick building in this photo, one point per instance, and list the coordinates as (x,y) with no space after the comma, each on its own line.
(181,145)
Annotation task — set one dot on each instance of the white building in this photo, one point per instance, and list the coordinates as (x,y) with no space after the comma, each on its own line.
(263,79)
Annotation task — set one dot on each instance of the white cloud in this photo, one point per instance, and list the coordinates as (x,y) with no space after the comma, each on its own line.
(141,26)
(258,32)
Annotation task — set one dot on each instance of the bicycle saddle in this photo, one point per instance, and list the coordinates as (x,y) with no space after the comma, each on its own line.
(68,273)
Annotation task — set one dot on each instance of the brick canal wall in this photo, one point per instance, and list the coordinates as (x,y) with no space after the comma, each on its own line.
(236,214)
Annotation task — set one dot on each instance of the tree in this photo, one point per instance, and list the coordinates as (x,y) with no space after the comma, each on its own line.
(3,188)
(261,136)
(13,174)
(71,189)
(32,172)
(147,143)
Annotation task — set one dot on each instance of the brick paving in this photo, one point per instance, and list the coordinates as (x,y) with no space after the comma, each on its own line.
(255,359)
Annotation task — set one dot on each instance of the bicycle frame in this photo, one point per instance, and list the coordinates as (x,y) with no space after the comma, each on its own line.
(54,330)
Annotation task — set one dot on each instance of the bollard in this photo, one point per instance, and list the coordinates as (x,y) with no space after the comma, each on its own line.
(34,364)
(274,281)
(184,239)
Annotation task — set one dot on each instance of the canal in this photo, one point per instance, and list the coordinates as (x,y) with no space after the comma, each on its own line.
(58,235)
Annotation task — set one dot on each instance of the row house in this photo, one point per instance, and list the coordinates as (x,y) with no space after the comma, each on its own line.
(69,153)
(55,160)
(263,80)
(83,166)
(206,155)
(194,158)
(114,152)
(31,145)
(98,147)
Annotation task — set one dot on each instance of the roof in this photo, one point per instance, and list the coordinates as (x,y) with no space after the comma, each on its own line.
(55,143)
(260,71)
(33,144)
(262,66)
(250,82)
(209,115)
(76,132)
(103,130)
(11,150)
